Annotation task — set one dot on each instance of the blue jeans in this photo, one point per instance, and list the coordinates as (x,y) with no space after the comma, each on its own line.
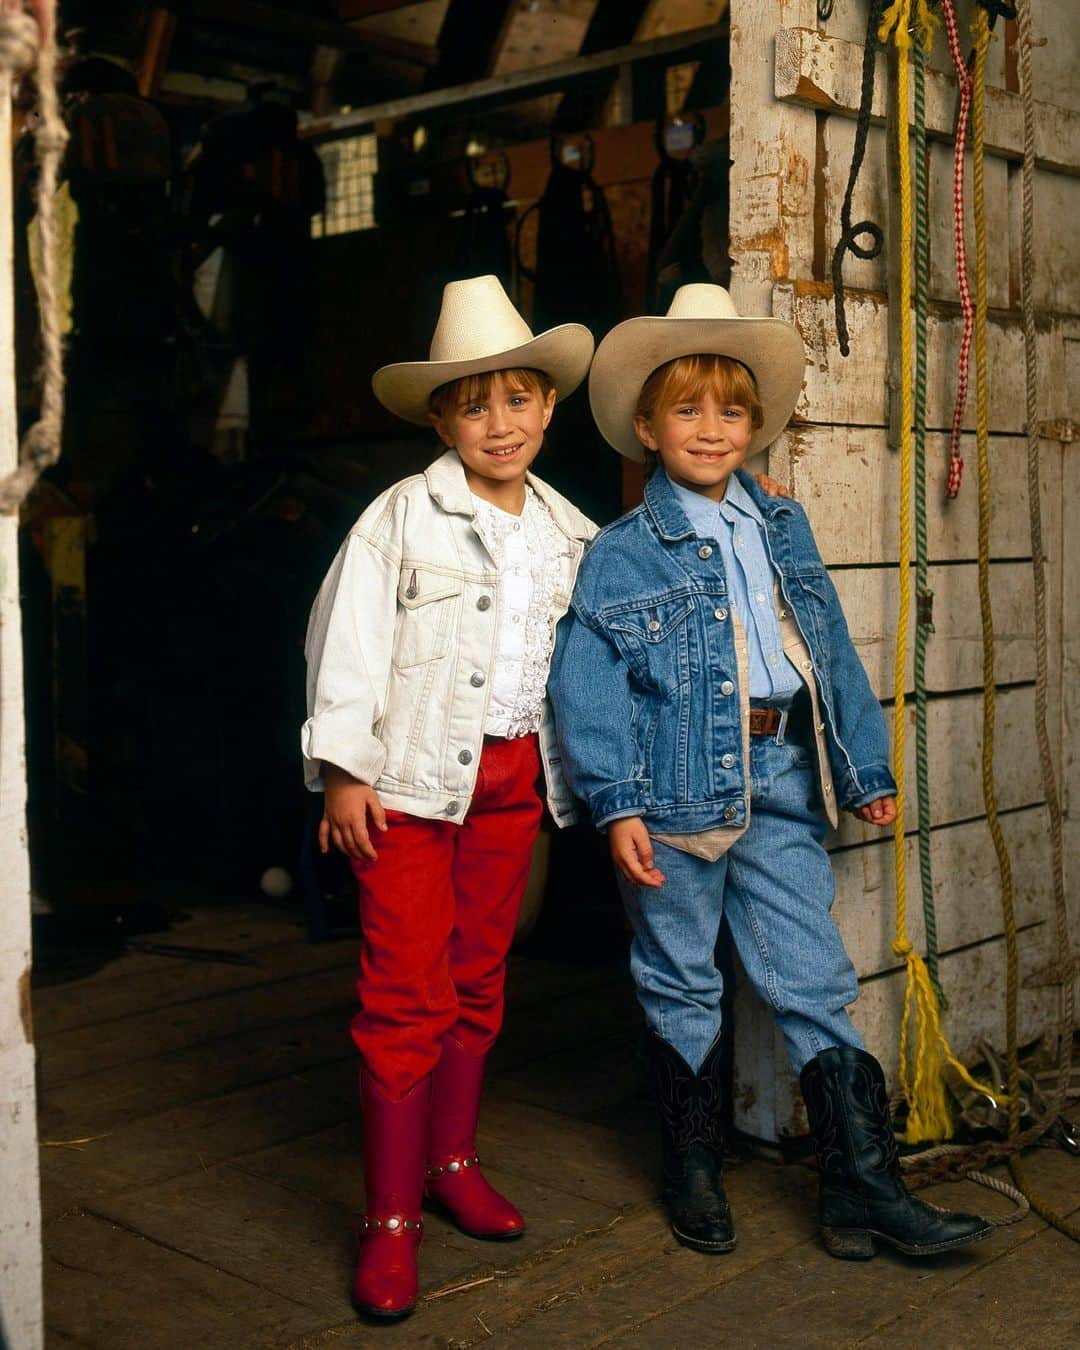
(776,887)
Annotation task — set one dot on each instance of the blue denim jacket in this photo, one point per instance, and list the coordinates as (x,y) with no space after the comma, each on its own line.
(644,676)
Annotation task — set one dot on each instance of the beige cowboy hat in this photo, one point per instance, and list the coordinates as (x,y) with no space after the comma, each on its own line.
(702,318)
(479,330)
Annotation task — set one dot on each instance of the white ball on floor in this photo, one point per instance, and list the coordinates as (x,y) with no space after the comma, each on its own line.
(276,882)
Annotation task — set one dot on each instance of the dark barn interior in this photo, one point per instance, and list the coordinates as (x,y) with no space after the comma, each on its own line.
(269,199)
(261,202)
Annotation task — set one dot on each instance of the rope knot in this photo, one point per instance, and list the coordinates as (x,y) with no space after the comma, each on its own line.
(51,140)
(927,24)
(902,947)
(894,23)
(22,44)
(18,43)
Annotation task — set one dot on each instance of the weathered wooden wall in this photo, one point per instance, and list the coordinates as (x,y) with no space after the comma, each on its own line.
(794,93)
(20,1215)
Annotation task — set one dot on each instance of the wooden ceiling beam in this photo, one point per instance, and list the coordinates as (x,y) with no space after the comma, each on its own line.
(540,31)
(614,23)
(673,16)
(160,27)
(281,22)
(467,40)
(502,89)
(325,62)
(350,10)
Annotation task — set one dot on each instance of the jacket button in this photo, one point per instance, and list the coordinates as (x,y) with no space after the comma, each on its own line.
(828,788)
(808,665)
(720,614)
(730,813)
(464,757)
(783,613)
(728,761)
(727,687)
(654,625)
(476,679)
(452,808)
(820,728)
(704,551)
(484,602)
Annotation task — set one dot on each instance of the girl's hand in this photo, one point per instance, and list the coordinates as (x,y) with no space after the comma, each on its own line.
(632,852)
(347,805)
(879,812)
(771,486)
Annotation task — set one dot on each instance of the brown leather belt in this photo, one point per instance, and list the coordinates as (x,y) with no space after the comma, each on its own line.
(765,721)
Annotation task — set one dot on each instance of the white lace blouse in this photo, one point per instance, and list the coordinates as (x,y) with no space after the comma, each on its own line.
(525,549)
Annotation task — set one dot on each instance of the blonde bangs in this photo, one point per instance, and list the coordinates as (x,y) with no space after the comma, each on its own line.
(477,388)
(688,379)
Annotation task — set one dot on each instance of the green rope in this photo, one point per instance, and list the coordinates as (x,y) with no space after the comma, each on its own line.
(924,625)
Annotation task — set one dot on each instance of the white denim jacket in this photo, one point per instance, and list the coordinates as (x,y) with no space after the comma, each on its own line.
(401,643)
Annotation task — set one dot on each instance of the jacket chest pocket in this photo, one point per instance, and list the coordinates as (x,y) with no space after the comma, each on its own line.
(814,584)
(655,643)
(428,605)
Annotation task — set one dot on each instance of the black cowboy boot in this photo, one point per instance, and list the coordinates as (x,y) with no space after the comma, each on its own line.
(691,1134)
(862,1195)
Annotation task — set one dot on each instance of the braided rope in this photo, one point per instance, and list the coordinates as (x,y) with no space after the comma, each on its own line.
(1066,1009)
(951,1162)
(981,29)
(849,233)
(40,446)
(1014,1193)
(923,1047)
(18,43)
(924,624)
(921,1172)
(963,79)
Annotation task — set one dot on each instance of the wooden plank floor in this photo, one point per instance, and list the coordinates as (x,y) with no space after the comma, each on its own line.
(201,1174)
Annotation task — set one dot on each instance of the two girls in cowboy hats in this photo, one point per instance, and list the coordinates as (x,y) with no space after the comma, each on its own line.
(704,686)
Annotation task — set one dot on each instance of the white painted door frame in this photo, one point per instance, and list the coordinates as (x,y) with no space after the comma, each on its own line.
(20,1208)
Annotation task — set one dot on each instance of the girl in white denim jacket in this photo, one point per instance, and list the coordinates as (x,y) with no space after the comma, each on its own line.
(428,728)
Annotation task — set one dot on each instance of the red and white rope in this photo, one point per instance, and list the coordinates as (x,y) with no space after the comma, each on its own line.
(963,78)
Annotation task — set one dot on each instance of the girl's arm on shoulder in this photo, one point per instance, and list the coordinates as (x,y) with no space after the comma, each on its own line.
(770,485)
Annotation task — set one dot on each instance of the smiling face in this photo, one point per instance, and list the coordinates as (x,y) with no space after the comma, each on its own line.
(496,423)
(698,414)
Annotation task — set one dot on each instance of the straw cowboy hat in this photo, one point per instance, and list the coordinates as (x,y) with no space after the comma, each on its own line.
(480,330)
(702,318)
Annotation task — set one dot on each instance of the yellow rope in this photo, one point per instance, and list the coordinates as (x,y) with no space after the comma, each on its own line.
(924,1050)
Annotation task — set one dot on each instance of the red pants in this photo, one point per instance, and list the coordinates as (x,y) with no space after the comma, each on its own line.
(437,912)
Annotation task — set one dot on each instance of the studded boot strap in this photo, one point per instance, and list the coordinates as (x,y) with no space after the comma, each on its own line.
(394,1224)
(452,1168)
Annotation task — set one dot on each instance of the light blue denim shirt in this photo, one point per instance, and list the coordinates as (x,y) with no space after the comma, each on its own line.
(738,527)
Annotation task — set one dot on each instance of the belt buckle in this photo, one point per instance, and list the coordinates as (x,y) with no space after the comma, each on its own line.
(768,721)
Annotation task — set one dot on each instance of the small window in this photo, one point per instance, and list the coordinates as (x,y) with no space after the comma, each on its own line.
(350,166)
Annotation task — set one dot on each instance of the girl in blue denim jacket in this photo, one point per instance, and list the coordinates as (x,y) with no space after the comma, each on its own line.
(713,714)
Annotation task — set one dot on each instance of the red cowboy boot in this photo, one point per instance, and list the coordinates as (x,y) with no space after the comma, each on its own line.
(454,1179)
(394,1139)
